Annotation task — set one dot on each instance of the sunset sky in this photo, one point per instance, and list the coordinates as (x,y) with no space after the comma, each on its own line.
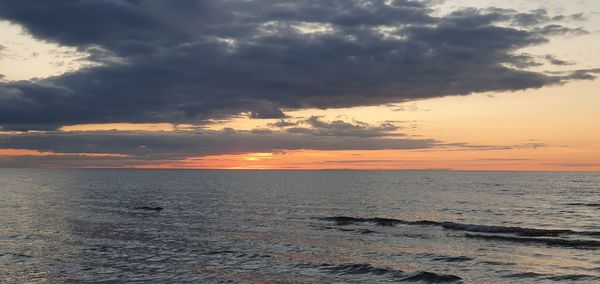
(300,84)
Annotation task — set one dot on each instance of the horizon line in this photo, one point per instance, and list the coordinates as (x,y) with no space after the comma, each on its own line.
(291,169)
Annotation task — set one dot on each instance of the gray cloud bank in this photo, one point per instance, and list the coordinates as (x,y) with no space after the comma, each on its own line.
(136,148)
(189,61)
(313,133)
(146,147)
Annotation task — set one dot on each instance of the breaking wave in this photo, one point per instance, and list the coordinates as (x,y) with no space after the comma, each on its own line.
(546,241)
(397,275)
(475,228)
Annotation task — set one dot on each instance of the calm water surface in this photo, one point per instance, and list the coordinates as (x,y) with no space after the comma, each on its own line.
(296,227)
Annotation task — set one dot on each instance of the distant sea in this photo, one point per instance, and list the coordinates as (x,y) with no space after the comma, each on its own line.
(177,226)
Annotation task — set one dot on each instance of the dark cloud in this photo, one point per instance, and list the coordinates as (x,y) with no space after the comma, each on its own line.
(283,123)
(526,19)
(555,61)
(67,161)
(554,29)
(585,74)
(139,148)
(535,17)
(318,127)
(190,61)
(577,17)
(524,61)
(152,146)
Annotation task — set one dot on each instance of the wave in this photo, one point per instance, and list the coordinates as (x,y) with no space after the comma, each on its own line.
(344,220)
(452,258)
(474,228)
(504,229)
(574,277)
(429,277)
(11,258)
(522,275)
(573,243)
(561,278)
(397,275)
(385,222)
(360,231)
(148,208)
(219,252)
(360,268)
(596,205)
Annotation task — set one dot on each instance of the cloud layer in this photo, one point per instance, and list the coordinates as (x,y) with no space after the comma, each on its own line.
(151,148)
(313,133)
(189,61)
(128,148)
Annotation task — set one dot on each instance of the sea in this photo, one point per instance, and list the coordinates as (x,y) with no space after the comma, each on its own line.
(342,226)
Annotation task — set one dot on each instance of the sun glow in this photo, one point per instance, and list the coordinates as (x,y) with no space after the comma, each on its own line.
(258,156)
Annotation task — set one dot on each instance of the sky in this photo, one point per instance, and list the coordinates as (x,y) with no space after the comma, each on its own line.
(302,84)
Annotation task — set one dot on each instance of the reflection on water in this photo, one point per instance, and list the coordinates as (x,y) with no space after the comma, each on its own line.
(323,226)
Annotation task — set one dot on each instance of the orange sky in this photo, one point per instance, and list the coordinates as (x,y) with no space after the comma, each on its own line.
(507,160)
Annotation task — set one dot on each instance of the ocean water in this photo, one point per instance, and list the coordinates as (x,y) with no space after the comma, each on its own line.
(170,226)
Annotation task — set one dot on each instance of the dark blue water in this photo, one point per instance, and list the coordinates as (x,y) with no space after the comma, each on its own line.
(298,226)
